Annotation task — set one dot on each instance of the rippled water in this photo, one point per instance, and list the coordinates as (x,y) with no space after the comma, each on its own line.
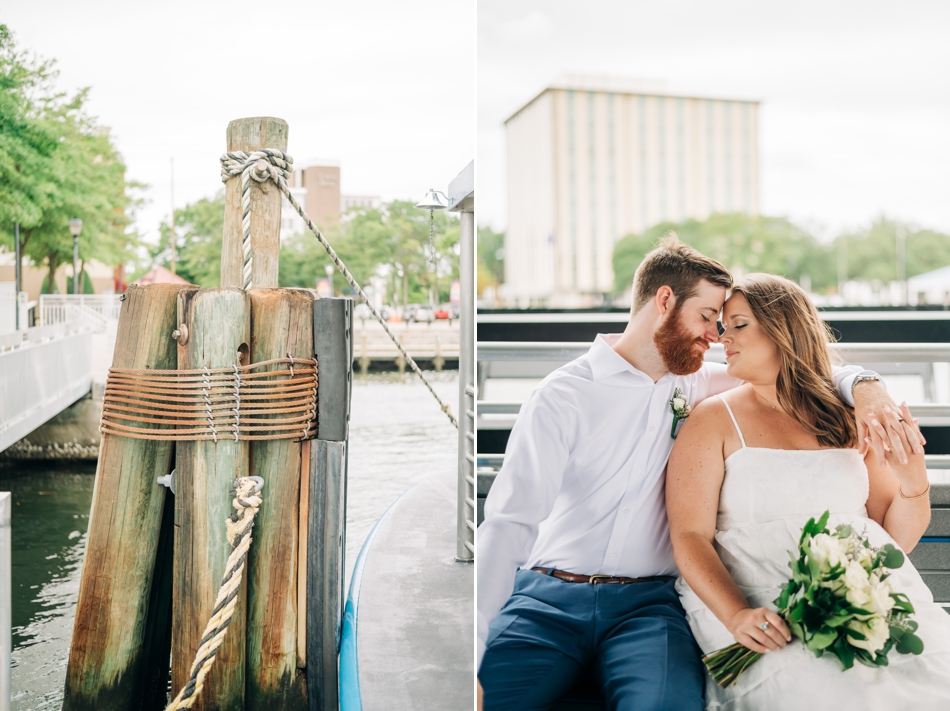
(398,436)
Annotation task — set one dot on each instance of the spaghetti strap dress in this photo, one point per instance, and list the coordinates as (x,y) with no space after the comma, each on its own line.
(767,496)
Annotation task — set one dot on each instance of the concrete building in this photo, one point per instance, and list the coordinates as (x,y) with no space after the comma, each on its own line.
(593,159)
(317,188)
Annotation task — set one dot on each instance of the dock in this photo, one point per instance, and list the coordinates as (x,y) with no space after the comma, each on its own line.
(408,628)
(435,344)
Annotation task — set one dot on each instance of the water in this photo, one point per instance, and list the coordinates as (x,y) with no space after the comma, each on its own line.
(398,436)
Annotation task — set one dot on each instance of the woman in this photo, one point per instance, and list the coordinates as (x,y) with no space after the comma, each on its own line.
(748,470)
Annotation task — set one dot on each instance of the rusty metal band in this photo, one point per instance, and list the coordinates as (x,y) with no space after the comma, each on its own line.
(274,399)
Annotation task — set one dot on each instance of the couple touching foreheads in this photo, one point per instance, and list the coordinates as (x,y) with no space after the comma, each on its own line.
(623,539)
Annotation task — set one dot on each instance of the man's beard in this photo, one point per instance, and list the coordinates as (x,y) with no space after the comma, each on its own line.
(676,346)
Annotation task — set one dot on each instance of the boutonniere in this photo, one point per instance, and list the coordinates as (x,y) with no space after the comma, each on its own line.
(680,408)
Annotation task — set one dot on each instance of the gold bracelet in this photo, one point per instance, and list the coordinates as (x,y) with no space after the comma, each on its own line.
(903,496)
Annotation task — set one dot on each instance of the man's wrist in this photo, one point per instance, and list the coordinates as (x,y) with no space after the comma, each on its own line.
(864,378)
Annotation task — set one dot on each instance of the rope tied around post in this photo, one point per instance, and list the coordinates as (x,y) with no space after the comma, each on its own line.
(272,164)
(246,501)
(261,166)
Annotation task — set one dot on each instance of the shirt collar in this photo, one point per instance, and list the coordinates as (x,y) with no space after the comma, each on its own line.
(605,361)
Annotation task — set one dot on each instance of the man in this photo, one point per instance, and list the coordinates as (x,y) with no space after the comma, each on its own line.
(575,566)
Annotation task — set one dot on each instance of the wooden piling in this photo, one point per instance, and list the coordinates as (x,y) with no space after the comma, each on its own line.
(251,134)
(218,322)
(281,325)
(119,652)
(326,539)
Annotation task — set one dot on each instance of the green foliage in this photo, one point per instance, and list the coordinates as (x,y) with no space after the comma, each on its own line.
(56,165)
(198,233)
(491,258)
(872,252)
(747,243)
(743,243)
(390,240)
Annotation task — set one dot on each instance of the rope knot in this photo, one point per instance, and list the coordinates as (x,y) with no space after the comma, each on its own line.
(261,166)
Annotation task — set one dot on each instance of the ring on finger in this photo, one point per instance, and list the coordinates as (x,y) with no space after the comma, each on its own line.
(764,626)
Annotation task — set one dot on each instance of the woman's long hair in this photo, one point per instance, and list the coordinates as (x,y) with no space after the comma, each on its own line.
(804,386)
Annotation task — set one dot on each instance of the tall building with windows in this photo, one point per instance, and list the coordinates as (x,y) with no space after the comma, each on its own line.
(593,159)
(317,187)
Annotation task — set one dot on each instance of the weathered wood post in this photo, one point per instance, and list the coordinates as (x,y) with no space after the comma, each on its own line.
(333,345)
(218,334)
(121,636)
(281,325)
(252,134)
(219,326)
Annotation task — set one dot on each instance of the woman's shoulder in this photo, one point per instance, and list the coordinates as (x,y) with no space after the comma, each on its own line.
(709,417)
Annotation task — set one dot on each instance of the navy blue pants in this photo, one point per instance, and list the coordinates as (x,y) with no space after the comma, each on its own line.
(634,637)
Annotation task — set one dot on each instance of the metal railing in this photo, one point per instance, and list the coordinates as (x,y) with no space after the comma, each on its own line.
(6,619)
(530,359)
(465,531)
(65,308)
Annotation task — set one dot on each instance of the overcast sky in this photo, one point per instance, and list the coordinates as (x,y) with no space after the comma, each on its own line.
(385,88)
(855,112)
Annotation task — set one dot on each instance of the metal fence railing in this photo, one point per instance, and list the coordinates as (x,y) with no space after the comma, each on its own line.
(64,308)
(6,619)
(536,360)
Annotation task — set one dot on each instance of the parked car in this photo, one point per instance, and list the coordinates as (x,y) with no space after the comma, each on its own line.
(418,313)
(447,311)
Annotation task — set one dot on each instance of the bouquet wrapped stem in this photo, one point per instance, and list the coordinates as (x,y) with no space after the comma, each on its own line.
(838,601)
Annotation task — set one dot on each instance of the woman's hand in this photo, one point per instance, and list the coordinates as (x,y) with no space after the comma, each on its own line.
(872,405)
(746,627)
(908,466)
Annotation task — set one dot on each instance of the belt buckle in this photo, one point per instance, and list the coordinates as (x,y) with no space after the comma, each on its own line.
(600,576)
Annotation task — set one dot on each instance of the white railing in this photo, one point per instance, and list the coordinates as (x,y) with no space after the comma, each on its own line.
(10,302)
(6,620)
(535,360)
(65,308)
(43,370)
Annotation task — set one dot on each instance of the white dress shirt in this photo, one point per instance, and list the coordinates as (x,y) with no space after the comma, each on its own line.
(582,484)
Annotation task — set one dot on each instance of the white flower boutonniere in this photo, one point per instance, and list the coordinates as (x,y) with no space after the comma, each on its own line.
(680,408)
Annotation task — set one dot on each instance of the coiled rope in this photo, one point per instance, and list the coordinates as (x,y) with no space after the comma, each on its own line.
(211,403)
(272,164)
(246,501)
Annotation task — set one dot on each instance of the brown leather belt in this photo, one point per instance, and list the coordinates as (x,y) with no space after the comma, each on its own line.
(601,579)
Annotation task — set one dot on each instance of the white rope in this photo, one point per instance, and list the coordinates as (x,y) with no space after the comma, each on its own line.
(246,501)
(271,164)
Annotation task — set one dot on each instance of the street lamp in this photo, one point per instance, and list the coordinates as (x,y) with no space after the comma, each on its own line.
(434,200)
(75,227)
(329,270)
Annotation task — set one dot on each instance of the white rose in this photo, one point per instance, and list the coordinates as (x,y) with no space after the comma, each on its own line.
(827,551)
(880,594)
(857,584)
(679,403)
(864,556)
(876,630)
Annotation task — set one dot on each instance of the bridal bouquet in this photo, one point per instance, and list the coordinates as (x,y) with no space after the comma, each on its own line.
(838,601)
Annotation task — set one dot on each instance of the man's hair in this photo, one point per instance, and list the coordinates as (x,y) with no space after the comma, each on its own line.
(679,267)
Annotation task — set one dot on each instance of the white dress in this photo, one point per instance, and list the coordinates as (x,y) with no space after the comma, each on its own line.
(767,496)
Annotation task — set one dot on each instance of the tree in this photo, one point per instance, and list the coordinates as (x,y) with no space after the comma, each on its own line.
(743,243)
(368,241)
(871,253)
(199,230)
(57,165)
(491,258)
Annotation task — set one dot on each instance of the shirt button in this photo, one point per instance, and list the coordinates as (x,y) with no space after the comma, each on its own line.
(638,471)
(626,510)
(651,429)
(613,555)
